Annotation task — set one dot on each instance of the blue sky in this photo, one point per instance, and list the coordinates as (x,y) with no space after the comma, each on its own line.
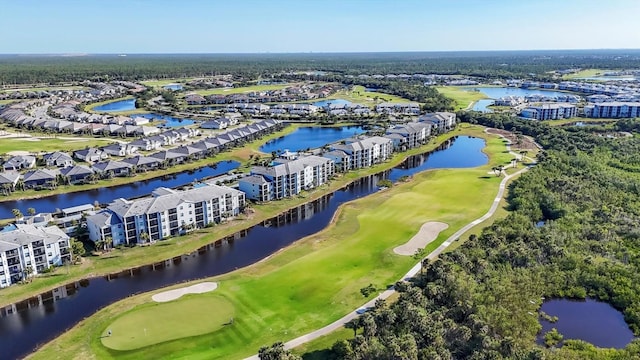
(246,26)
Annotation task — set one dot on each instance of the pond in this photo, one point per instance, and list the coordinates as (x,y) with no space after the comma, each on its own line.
(498,92)
(323,103)
(121,105)
(590,320)
(168,120)
(34,321)
(107,194)
(310,138)
(174,87)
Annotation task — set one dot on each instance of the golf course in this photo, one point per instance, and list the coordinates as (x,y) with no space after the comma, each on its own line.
(302,287)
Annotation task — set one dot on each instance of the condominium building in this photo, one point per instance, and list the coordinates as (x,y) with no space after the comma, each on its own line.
(167,213)
(409,135)
(24,246)
(441,121)
(287,177)
(613,110)
(549,111)
(364,151)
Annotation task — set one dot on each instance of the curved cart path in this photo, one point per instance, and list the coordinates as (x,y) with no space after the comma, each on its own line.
(414,270)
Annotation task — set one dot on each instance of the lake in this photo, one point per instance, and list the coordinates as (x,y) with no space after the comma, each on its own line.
(38,320)
(107,194)
(310,138)
(174,87)
(323,103)
(169,121)
(498,92)
(590,320)
(121,105)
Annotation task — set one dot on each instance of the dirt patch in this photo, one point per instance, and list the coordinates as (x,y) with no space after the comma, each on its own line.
(522,143)
(177,293)
(427,233)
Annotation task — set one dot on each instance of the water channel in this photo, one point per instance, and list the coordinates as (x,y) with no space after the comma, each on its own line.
(34,321)
(107,194)
(498,92)
(590,320)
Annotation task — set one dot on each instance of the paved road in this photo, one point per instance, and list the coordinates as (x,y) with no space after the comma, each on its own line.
(414,270)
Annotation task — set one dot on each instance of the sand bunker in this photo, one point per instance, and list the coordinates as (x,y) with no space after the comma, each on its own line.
(427,233)
(177,293)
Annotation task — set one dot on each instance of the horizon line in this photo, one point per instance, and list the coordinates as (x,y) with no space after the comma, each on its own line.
(70,54)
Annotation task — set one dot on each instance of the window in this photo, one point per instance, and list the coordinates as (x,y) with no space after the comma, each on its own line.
(49,246)
(49,254)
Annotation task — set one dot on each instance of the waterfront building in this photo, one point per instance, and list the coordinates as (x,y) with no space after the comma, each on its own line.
(166,213)
(24,246)
(613,110)
(549,111)
(364,151)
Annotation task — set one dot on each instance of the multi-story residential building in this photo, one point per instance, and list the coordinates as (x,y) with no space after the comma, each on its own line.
(549,111)
(287,177)
(410,135)
(409,108)
(613,110)
(365,151)
(26,246)
(167,213)
(441,121)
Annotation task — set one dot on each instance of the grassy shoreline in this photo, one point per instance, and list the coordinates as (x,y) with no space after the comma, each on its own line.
(263,290)
(237,154)
(120,260)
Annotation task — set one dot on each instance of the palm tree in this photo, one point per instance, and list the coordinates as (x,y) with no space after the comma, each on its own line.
(17,213)
(31,211)
(100,244)
(108,242)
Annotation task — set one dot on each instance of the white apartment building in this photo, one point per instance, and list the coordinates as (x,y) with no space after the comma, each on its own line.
(28,246)
(613,110)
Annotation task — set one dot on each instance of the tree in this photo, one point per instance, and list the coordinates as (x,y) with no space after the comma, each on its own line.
(276,352)
(28,272)
(31,211)
(17,213)
(108,242)
(77,248)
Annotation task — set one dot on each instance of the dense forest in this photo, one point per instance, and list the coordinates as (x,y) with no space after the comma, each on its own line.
(477,302)
(30,69)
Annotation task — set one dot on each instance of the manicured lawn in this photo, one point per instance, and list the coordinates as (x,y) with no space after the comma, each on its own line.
(240,90)
(164,82)
(3,102)
(316,280)
(358,95)
(463,98)
(154,323)
(35,145)
(585,73)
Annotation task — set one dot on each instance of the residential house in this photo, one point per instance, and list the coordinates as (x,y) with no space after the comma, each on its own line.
(40,178)
(112,168)
(220,123)
(28,246)
(90,155)
(142,163)
(58,159)
(195,99)
(119,149)
(78,174)
(19,162)
(148,144)
(8,181)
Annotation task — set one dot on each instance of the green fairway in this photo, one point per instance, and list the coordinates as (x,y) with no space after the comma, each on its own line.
(357,94)
(240,90)
(155,323)
(585,73)
(317,279)
(463,98)
(36,145)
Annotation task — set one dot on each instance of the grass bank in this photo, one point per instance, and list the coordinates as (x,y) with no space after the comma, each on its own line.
(358,94)
(464,99)
(38,145)
(316,280)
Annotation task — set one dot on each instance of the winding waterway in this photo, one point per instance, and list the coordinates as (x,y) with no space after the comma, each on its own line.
(25,325)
